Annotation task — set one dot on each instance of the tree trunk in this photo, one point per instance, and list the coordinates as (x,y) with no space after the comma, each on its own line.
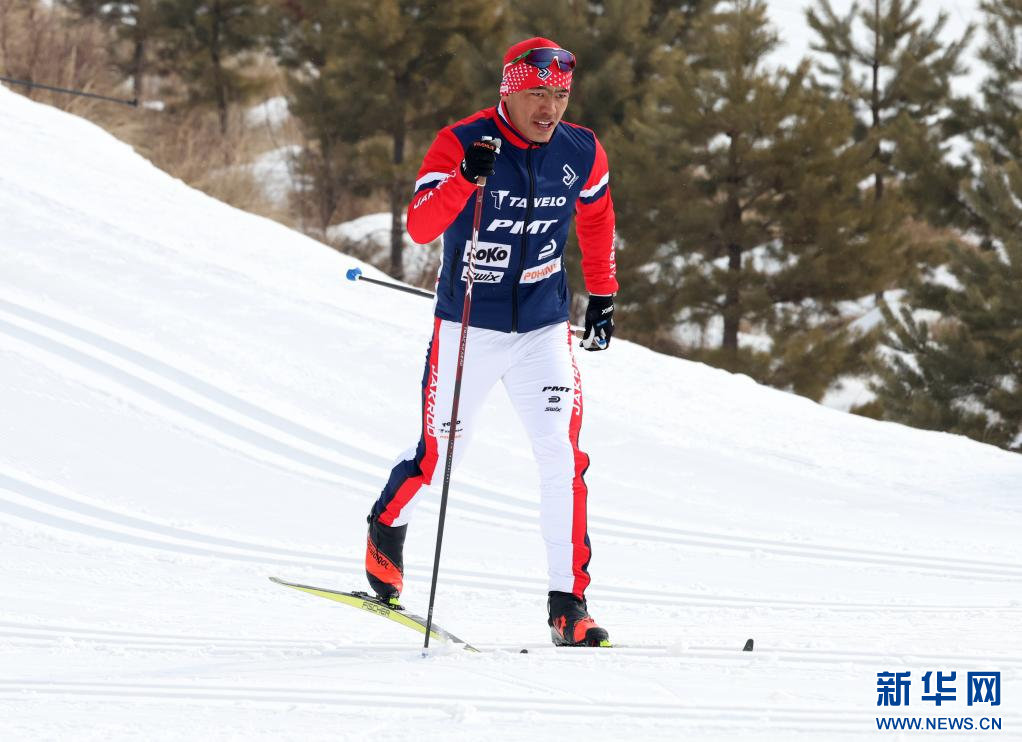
(878,192)
(398,198)
(138,65)
(878,177)
(731,228)
(326,188)
(218,70)
(732,298)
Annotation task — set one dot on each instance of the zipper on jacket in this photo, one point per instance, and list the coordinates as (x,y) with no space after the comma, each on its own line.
(452,271)
(525,240)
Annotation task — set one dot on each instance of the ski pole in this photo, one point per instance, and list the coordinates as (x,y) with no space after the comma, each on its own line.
(453,429)
(355,274)
(53,88)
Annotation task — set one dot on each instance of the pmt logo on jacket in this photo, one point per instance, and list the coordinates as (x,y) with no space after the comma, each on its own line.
(539,226)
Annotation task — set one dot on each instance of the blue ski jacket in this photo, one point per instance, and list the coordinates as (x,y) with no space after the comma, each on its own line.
(519,282)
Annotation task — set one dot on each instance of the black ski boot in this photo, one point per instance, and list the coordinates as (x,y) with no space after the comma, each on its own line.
(570,623)
(385,567)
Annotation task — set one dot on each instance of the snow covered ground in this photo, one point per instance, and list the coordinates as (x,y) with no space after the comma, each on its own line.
(193,399)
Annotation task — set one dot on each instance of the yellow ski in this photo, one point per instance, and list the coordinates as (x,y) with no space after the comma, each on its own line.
(371,604)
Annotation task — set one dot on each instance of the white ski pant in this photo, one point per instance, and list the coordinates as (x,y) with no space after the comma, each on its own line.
(539,372)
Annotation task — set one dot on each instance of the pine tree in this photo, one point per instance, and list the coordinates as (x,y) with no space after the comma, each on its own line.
(956,362)
(750,210)
(395,71)
(617,44)
(1001,116)
(963,374)
(896,74)
(134,23)
(305,46)
(201,38)
(624,48)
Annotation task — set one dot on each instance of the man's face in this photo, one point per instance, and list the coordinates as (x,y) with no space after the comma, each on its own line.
(537,111)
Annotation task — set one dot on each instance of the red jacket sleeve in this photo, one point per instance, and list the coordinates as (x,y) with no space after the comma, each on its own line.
(594,224)
(441,191)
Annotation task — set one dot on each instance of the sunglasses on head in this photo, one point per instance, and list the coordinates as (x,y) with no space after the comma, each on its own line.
(545,56)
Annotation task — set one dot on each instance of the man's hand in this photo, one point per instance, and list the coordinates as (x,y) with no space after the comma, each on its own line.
(480,160)
(599,322)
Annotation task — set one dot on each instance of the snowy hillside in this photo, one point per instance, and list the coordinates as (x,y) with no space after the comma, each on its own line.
(193,399)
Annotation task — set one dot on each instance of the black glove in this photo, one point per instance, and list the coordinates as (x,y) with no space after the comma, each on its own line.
(599,322)
(480,159)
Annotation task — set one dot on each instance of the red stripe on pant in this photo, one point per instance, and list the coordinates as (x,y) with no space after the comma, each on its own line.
(581,551)
(429,437)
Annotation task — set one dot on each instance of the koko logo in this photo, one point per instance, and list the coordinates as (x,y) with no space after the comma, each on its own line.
(570,176)
(492,254)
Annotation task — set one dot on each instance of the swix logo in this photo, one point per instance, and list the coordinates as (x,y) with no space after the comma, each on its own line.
(482,275)
(570,176)
(548,249)
(540,272)
(540,226)
(489,253)
(556,389)
(498,198)
(431,401)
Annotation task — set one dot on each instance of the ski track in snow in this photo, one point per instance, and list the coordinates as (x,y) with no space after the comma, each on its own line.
(723,715)
(499,707)
(27,634)
(276,440)
(33,503)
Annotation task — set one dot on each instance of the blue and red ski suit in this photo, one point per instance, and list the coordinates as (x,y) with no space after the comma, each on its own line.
(518,329)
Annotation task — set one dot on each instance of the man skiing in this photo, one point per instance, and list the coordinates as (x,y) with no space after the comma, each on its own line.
(545,172)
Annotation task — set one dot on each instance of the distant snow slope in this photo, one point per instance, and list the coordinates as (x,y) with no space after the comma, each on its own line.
(193,399)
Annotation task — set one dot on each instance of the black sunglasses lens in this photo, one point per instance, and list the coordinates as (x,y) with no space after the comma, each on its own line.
(543,58)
